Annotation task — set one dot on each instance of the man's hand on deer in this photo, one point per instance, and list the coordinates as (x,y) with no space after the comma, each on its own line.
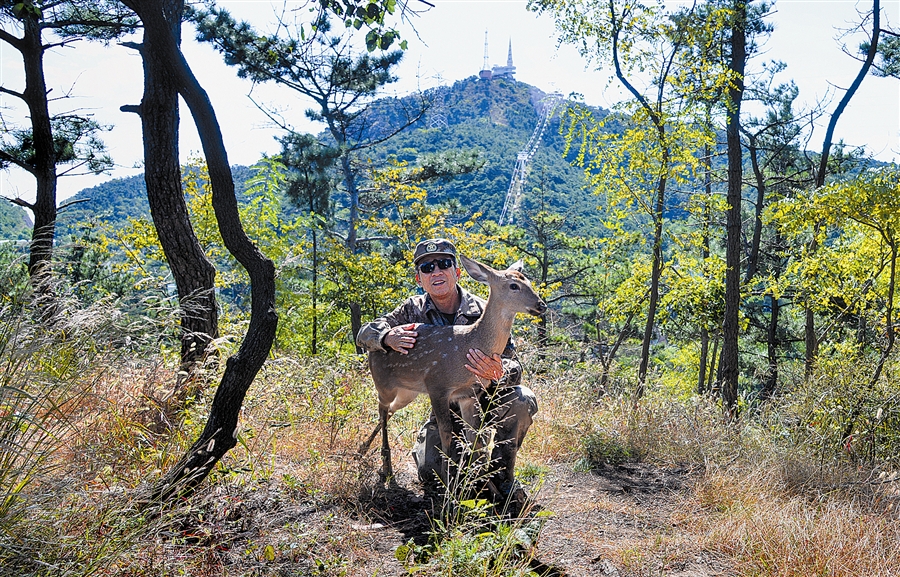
(401,338)
(483,366)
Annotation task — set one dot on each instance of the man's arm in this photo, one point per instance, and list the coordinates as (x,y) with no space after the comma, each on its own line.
(394,326)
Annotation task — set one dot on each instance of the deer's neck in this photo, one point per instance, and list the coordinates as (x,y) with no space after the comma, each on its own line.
(491,332)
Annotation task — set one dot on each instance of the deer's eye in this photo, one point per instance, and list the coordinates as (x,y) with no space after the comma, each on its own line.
(513,287)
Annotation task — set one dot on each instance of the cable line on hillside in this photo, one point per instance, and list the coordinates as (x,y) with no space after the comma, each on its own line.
(548,107)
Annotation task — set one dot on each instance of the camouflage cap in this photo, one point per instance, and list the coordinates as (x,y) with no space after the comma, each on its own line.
(433,247)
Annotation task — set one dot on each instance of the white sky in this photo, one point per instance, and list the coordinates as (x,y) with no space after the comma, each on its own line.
(450,48)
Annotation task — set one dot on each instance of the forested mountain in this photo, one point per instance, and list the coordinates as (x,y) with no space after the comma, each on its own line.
(114,201)
(14,222)
(119,199)
(495,118)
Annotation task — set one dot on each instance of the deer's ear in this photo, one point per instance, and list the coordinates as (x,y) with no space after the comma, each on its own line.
(517,266)
(476,270)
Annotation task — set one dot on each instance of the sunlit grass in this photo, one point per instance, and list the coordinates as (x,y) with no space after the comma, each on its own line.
(85,406)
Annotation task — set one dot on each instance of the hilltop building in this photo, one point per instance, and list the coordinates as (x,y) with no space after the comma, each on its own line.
(490,73)
(508,71)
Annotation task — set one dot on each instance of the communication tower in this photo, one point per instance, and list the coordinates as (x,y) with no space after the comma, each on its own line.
(485,73)
(437,116)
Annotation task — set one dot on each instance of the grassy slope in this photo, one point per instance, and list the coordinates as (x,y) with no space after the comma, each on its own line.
(672,489)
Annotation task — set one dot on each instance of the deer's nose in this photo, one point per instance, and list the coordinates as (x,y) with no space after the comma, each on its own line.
(540,308)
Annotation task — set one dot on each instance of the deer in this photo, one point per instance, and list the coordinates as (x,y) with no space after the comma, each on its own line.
(436,364)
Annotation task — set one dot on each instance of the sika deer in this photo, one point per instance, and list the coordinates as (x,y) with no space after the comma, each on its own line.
(436,364)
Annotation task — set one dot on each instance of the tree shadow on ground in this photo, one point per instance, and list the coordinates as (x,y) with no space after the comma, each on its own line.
(636,477)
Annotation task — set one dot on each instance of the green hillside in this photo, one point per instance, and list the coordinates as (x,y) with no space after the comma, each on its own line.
(495,118)
(14,222)
(114,201)
(119,199)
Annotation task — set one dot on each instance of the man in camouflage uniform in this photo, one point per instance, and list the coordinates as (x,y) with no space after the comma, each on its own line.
(509,405)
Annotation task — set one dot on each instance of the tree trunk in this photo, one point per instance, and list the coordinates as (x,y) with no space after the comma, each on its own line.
(713,375)
(193,273)
(812,343)
(655,273)
(702,385)
(704,359)
(753,257)
(43,165)
(771,382)
(607,357)
(314,293)
(356,324)
(656,268)
(220,433)
(543,338)
(728,363)
(353,193)
(890,338)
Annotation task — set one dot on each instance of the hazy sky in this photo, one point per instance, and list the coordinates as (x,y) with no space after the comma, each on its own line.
(450,47)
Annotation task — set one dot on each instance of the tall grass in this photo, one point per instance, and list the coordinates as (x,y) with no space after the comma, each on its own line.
(778,492)
(54,350)
(769,530)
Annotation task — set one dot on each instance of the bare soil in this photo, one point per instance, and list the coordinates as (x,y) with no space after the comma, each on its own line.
(630,520)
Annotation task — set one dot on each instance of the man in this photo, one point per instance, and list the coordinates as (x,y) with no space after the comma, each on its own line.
(509,406)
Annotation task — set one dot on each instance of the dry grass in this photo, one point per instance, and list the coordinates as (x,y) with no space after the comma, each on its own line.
(771,532)
(282,496)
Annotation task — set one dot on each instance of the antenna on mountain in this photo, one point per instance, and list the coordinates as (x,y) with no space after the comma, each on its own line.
(486,72)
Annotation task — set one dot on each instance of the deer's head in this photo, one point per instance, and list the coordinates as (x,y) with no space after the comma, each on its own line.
(510,289)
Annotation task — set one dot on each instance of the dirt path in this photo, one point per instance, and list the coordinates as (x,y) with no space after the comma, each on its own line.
(627,520)
(632,520)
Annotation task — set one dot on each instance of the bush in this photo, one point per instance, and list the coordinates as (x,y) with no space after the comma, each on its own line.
(606,448)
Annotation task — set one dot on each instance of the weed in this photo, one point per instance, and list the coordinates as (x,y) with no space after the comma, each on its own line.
(605,448)
(477,545)
(476,536)
(531,474)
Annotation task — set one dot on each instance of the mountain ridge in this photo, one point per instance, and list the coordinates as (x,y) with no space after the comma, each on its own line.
(495,117)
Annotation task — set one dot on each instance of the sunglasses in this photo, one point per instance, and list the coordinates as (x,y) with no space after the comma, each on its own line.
(442,263)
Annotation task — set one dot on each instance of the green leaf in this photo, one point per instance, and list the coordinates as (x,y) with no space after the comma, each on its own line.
(269,553)
(402,552)
(371,40)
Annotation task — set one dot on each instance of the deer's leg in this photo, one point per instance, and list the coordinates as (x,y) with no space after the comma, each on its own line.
(368,442)
(444,418)
(387,471)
